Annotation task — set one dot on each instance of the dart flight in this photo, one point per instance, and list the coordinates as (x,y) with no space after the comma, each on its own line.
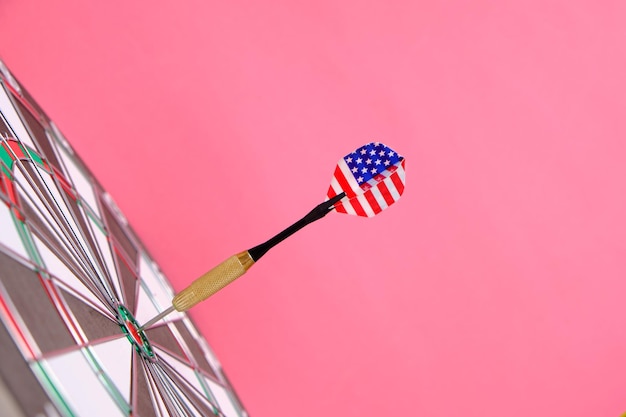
(365,182)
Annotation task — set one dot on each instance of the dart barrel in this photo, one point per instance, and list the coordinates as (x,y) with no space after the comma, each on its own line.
(213,281)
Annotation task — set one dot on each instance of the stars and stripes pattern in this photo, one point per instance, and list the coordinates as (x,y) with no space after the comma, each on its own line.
(372,177)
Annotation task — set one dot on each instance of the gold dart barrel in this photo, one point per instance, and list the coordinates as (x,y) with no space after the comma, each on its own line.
(213,281)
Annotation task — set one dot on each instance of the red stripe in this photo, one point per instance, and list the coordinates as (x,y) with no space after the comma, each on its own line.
(331,192)
(395,178)
(343,183)
(386,194)
(372,201)
(338,206)
(354,202)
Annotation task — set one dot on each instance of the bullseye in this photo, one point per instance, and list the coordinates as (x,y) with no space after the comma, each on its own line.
(136,337)
(133,332)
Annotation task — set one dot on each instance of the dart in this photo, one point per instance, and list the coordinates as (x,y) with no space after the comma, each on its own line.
(365,182)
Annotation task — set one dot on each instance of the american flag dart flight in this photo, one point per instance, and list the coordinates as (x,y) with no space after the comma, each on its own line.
(75,284)
(372,178)
(365,182)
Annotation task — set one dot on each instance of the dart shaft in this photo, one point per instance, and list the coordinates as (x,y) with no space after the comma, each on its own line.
(237,265)
(158,317)
(317,213)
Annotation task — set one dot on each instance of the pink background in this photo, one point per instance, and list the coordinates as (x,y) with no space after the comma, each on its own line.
(495,286)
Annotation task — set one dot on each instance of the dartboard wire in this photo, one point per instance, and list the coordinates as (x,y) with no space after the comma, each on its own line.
(117,256)
(58,302)
(218,377)
(18,257)
(76,244)
(183,343)
(64,312)
(55,212)
(115,245)
(233,397)
(91,214)
(170,371)
(29,349)
(166,390)
(105,380)
(111,280)
(152,279)
(178,393)
(157,389)
(135,358)
(168,367)
(16,92)
(27,344)
(161,347)
(69,349)
(29,263)
(16,326)
(171,389)
(46,378)
(41,366)
(75,323)
(155,395)
(72,326)
(51,210)
(199,400)
(92,254)
(70,265)
(214,363)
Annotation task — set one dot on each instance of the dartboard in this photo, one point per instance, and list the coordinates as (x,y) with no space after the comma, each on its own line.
(76,284)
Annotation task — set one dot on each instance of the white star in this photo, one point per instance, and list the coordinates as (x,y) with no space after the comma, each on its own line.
(359,160)
(378,161)
(391,153)
(348,159)
(369,161)
(387,163)
(360,179)
(373,171)
(381,153)
(372,152)
(363,151)
(355,170)
(364,170)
